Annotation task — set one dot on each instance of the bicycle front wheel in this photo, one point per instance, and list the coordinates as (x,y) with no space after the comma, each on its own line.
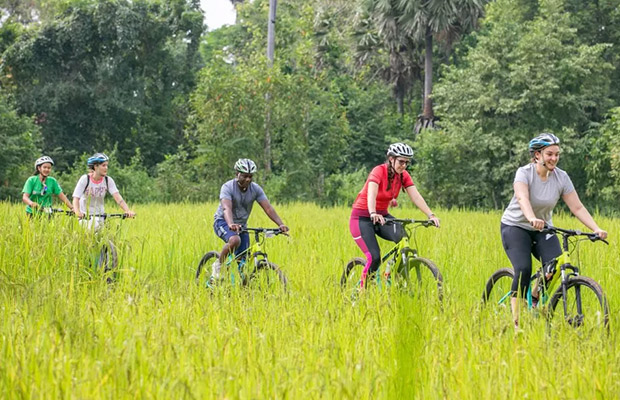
(422,277)
(584,306)
(203,272)
(108,261)
(267,277)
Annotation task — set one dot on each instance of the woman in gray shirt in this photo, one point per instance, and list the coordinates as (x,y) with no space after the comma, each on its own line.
(538,186)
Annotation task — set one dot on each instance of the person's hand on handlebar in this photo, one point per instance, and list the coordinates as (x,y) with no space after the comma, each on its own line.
(601,233)
(283,228)
(235,227)
(377,218)
(435,220)
(130,214)
(537,223)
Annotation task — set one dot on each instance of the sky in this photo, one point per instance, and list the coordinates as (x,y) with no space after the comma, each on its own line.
(218,13)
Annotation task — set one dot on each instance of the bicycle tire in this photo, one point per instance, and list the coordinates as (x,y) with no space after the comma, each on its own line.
(267,276)
(352,273)
(595,318)
(108,261)
(205,262)
(497,287)
(421,276)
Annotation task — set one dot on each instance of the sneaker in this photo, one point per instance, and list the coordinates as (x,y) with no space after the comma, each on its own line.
(215,269)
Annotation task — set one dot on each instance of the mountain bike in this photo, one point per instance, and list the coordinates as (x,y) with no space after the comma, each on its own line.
(580,300)
(400,267)
(106,261)
(253,267)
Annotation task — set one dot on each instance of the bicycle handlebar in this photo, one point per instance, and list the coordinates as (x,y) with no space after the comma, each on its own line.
(58,210)
(275,231)
(424,222)
(573,232)
(106,216)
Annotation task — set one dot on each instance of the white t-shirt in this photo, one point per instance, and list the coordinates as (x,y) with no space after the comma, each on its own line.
(543,195)
(92,197)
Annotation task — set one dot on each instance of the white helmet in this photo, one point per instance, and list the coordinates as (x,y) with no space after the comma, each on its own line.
(42,160)
(245,166)
(400,150)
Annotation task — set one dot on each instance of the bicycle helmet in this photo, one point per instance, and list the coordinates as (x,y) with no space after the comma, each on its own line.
(541,141)
(245,166)
(400,150)
(42,160)
(97,158)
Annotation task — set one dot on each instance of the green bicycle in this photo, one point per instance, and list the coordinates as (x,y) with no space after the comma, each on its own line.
(583,302)
(253,266)
(403,267)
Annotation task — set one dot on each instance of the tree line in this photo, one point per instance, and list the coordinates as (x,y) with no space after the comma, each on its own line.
(466,82)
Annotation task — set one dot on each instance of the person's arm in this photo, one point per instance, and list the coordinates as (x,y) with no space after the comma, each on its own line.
(65,200)
(26,199)
(76,208)
(271,213)
(581,212)
(227,207)
(371,196)
(522,193)
(419,201)
(119,200)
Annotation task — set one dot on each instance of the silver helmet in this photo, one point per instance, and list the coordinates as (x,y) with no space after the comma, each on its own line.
(400,150)
(245,166)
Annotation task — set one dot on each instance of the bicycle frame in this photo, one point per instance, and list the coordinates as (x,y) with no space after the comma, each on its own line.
(403,246)
(561,263)
(255,251)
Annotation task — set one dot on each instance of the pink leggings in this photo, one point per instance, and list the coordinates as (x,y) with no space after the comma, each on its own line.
(365,234)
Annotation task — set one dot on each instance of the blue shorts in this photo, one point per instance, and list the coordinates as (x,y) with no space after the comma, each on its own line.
(225,233)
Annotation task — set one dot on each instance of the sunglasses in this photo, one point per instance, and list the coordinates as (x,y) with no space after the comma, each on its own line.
(403,162)
(44,190)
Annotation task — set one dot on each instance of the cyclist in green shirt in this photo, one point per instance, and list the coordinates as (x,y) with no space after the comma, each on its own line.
(40,187)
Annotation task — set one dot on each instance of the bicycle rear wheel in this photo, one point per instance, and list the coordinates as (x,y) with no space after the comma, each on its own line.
(203,272)
(267,277)
(352,275)
(421,277)
(585,305)
(498,289)
(108,261)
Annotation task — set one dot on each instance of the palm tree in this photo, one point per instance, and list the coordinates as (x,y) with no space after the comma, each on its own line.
(378,29)
(446,20)
(406,28)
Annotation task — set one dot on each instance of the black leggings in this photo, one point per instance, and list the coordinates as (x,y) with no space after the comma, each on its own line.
(520,244)
(364,231)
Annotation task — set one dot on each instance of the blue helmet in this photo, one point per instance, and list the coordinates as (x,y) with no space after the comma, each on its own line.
(97,158)
(541,141)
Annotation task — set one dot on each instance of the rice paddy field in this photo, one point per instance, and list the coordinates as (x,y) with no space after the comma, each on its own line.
(66,333)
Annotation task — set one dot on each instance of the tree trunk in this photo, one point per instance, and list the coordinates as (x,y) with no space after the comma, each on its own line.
(427,118)
(271,44)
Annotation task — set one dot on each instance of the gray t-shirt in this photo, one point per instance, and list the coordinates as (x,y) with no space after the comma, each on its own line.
(543,195)
(242,202)
(94,195)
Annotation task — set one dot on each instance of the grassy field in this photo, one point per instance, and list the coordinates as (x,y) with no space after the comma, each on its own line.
(155,334)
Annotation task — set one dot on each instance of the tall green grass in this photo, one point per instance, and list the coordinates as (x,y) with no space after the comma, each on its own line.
(65,333)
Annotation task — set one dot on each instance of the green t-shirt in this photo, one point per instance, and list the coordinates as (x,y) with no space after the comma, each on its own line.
(41,193)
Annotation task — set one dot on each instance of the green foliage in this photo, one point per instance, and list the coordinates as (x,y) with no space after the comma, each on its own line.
(18,139)
(603,163)
(109,73)
(523,77)
(178,179)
